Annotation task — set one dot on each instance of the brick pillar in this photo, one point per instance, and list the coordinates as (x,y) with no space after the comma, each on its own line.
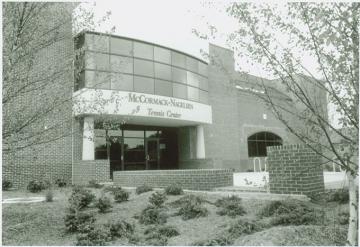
(294,169)
(200,144)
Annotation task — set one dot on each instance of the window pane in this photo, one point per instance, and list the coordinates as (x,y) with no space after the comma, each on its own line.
(252,152)
(178,59)
(204,83)
(134,133)
(142,67)
(163,88)
(179,91)
(96,42)
(96,79)
(151,133)
(162,71)
(122,82)
(192,64)
(143,85)
(162,55)
(203,69)
(179,75)
(193,93)
(121,64)
(203,97)
(96,61)
(192,79)
(143,50)
(100,145)
(121,46)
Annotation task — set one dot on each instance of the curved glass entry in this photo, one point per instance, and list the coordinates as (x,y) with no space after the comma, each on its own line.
(139,148)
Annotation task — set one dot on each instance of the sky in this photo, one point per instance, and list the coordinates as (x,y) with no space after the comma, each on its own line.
(171,24)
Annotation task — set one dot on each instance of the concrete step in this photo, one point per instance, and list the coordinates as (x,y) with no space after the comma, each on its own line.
(241,189)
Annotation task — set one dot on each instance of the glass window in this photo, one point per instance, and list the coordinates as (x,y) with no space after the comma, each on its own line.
(192,79)
(163,88)
(142,67)
(203,69)
(258,142)
(122,82)
(97,42)
(121,46)
(203,97)
(179,91)
(97,61)
(143,85)
(193,93)
(143,50)
(96,79)
(192,64)
(151,133)
(203,84)
(121,64)
(178,59)
(162,55)
(179,75)
(162,71)
(100,147)
(134,133)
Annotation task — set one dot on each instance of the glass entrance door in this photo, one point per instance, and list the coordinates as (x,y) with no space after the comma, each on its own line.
(152,156)
(115,154)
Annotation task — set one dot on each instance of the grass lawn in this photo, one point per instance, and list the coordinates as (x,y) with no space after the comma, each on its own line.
(43,223)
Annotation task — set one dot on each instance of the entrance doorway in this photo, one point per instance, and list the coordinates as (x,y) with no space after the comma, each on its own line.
(143,148)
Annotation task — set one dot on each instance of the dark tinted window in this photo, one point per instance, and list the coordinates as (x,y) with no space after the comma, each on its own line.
(97,61)
(96,42)
(193,93)
(258,142)
(162,55)
(179,75)
(163,88)
(143,84)
(178,59)
(179,91)
(142,67)
(121,64)
(121,46)
(143,50)
(162,71)
(96,79)
(122,82)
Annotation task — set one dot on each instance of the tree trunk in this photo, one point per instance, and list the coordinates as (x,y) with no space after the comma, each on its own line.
(353,210)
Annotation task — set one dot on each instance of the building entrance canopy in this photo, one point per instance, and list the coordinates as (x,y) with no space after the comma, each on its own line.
(139,108)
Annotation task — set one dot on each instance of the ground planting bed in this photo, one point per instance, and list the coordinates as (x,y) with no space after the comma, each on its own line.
(43,223)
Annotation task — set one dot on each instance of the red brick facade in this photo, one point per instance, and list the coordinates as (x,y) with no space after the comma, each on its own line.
(294,169)
(86,170)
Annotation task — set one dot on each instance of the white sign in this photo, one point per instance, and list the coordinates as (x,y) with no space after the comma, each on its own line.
(110,102)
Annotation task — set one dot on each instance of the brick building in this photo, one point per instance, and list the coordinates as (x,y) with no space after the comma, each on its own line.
(137,105)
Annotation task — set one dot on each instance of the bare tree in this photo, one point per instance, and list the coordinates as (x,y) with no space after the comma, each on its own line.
(277,37)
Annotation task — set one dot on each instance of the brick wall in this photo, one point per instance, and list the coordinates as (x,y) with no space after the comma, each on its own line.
(86,170)
(42,149)
(197,179)
(294,169)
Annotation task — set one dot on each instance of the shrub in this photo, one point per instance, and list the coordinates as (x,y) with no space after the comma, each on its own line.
(35,186)
(81,197)
(120,195)
(103,204)
(120,229)
(230,206)
(223,240)
(111,188)
(95,236)
(187,199)
(242,227)
(174,190)
(343,218)
(60,182)
(93,184)
(191,207)
(165,231)
(152,215)
(6,184)
(75,220)
(142,189)
(47,184)
(49,197)
(157,199)
(341,196)
(291,213)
